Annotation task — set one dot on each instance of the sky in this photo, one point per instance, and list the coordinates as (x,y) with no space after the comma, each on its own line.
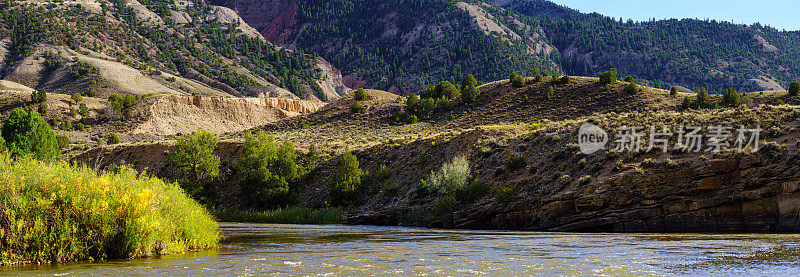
(780,14)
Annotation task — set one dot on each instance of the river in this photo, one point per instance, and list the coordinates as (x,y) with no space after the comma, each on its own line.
(337,250)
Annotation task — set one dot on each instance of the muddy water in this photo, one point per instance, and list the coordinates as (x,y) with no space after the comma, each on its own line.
(335,250)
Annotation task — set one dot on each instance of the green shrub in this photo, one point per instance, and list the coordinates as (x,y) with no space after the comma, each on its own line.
(412,119)
(794,88)
(66,126)
(538,78)
(293,215)
(565,79)
(345,183)
(77,97)
(629,79)
(39,96)
(195,157)
(54,212)
(63,141)
(268,173)
(360,94)
(42,108)
(444,205)
(443,89)
(451,176)
(632,88)
(687,103)
(550,92)
(113,139)
(80,127)
(84,110)
(516,80)
(608,77)
(357,107)
(673,91)
(27,133)
(515,161)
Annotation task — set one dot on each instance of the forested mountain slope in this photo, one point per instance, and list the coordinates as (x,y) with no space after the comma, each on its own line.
(402,45)
(406,45)
(689,52)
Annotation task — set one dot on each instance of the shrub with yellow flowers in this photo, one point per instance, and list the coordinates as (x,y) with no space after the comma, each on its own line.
(54,212)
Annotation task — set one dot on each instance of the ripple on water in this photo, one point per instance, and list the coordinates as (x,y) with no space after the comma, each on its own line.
(335,250)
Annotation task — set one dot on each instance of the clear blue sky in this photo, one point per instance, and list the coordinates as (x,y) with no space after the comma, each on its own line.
(780,14)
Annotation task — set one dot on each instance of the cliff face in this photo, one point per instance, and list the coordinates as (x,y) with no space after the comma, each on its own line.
(173,114)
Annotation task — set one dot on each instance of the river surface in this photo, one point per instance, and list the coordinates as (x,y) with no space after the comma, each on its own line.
(336,250)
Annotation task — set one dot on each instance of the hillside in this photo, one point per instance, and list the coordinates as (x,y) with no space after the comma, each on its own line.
(687,52)
(531,173)
(405,46)
(402,46)
(99,48)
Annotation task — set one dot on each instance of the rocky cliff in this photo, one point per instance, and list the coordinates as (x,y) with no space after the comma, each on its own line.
(173,114)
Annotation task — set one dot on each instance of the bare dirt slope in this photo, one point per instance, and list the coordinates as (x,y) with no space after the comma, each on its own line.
(173,114)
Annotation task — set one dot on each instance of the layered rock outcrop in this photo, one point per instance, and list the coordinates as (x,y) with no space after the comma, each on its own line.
(173,114)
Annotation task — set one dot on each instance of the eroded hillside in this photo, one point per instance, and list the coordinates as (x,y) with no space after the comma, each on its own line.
(99,48)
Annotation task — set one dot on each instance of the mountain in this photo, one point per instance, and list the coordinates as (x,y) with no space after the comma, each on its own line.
(688,52)
(405,45)
(99,48)
(402,45)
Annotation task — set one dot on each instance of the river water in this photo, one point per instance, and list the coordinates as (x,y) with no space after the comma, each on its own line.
(336,250)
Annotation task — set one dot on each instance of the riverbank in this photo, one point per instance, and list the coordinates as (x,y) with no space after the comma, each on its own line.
(293,215)
(55,212)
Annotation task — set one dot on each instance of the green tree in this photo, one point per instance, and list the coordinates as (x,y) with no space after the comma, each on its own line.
(27,133)
(448,90)
(550,92)
(732,97)
(794,88)
(268,173)
(84,110)
(687,103)
(673,91)
(628,79)
(360,94)
(357,107)
(195,157)
(469,91)
(77,97)
(42,108)
(565,79)
(345,182)
(538,77)
(313,158)
(516,80)
(608,77)
(703,100)
(39,96)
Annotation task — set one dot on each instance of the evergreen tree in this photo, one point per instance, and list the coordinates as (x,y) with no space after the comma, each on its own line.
(468,90)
